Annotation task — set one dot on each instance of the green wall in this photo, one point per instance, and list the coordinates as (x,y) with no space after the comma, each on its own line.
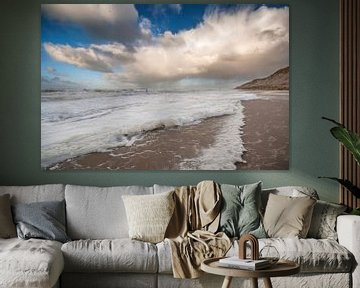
(314,64)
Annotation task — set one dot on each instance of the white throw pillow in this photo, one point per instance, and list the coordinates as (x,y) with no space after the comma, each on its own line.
(149,215)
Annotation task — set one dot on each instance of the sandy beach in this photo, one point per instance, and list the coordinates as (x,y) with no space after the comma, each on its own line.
(265,136)
(159,150)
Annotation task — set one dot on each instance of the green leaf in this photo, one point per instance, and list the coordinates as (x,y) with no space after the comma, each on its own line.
(347,184)
(355,211)
(348,138)
(333,121)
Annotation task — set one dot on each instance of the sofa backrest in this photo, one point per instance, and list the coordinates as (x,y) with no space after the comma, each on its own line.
(98,213)
(36,193)
(162,188)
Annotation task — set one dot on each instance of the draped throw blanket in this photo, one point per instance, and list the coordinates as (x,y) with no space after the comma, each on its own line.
(191,231)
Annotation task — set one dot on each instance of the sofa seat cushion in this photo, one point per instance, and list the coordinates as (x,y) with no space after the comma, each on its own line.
(30,263)
(115,255)
(313,255)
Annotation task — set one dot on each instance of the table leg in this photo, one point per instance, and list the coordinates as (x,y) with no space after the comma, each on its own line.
(227,282)
(254,282)
(267,283)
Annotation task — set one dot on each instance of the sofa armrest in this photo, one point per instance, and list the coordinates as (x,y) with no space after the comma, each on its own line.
(348,230)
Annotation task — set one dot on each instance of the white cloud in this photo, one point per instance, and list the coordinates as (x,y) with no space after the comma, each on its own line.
(101,58)
(242,44)
(239,45)
(105,21)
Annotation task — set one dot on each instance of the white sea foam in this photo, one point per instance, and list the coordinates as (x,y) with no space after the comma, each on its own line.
(79,122)
(227,149)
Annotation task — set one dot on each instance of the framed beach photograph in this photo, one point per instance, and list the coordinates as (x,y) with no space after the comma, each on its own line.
(164,87)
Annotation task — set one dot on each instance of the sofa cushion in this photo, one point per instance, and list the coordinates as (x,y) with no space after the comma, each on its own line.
(313,255)
(36,193)
(43,220)
(323,222)
(149,215)
(287,216)
(240,210)
(164,257)
(30,263)
(291,191)
(7,226)
(98,213)
(117,255)
(162,188)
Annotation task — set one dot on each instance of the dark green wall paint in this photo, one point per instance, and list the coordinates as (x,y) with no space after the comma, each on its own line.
(314,63)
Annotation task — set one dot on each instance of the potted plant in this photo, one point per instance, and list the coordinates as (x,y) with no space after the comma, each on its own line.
(351,141)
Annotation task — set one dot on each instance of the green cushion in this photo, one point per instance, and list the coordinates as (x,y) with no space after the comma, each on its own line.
(240,213)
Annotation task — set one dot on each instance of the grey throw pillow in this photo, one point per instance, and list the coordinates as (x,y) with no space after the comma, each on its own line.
(240,213)
(7,226)
(323,222)
(44,220)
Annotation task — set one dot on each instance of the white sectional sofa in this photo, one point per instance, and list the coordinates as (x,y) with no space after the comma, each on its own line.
(102,255)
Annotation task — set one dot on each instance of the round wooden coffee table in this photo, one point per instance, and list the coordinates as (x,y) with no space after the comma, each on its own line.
(281,268)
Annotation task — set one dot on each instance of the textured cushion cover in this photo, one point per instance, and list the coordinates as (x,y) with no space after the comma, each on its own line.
(313,255)
(32,263)
(98,213)
(44,220)
(240,213)
(35,193)
(287,216)
(117,255)
(7,226)
(323,222)
(149,215)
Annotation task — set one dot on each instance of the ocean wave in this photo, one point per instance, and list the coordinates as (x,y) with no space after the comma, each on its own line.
(97,121)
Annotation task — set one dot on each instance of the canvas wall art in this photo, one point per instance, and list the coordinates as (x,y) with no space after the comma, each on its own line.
(164,87)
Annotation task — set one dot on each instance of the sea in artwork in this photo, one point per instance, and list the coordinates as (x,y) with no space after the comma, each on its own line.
(203,129)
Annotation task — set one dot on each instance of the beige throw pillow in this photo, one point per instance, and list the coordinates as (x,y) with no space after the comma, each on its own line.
(288,217)
(148,215)
(7,226)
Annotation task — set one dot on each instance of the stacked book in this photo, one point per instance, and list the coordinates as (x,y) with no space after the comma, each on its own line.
(248,264)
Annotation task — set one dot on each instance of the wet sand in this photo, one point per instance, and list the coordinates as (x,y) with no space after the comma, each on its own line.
(265,136)
(159,150)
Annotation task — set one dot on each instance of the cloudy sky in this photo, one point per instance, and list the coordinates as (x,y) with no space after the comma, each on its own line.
(112,46)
